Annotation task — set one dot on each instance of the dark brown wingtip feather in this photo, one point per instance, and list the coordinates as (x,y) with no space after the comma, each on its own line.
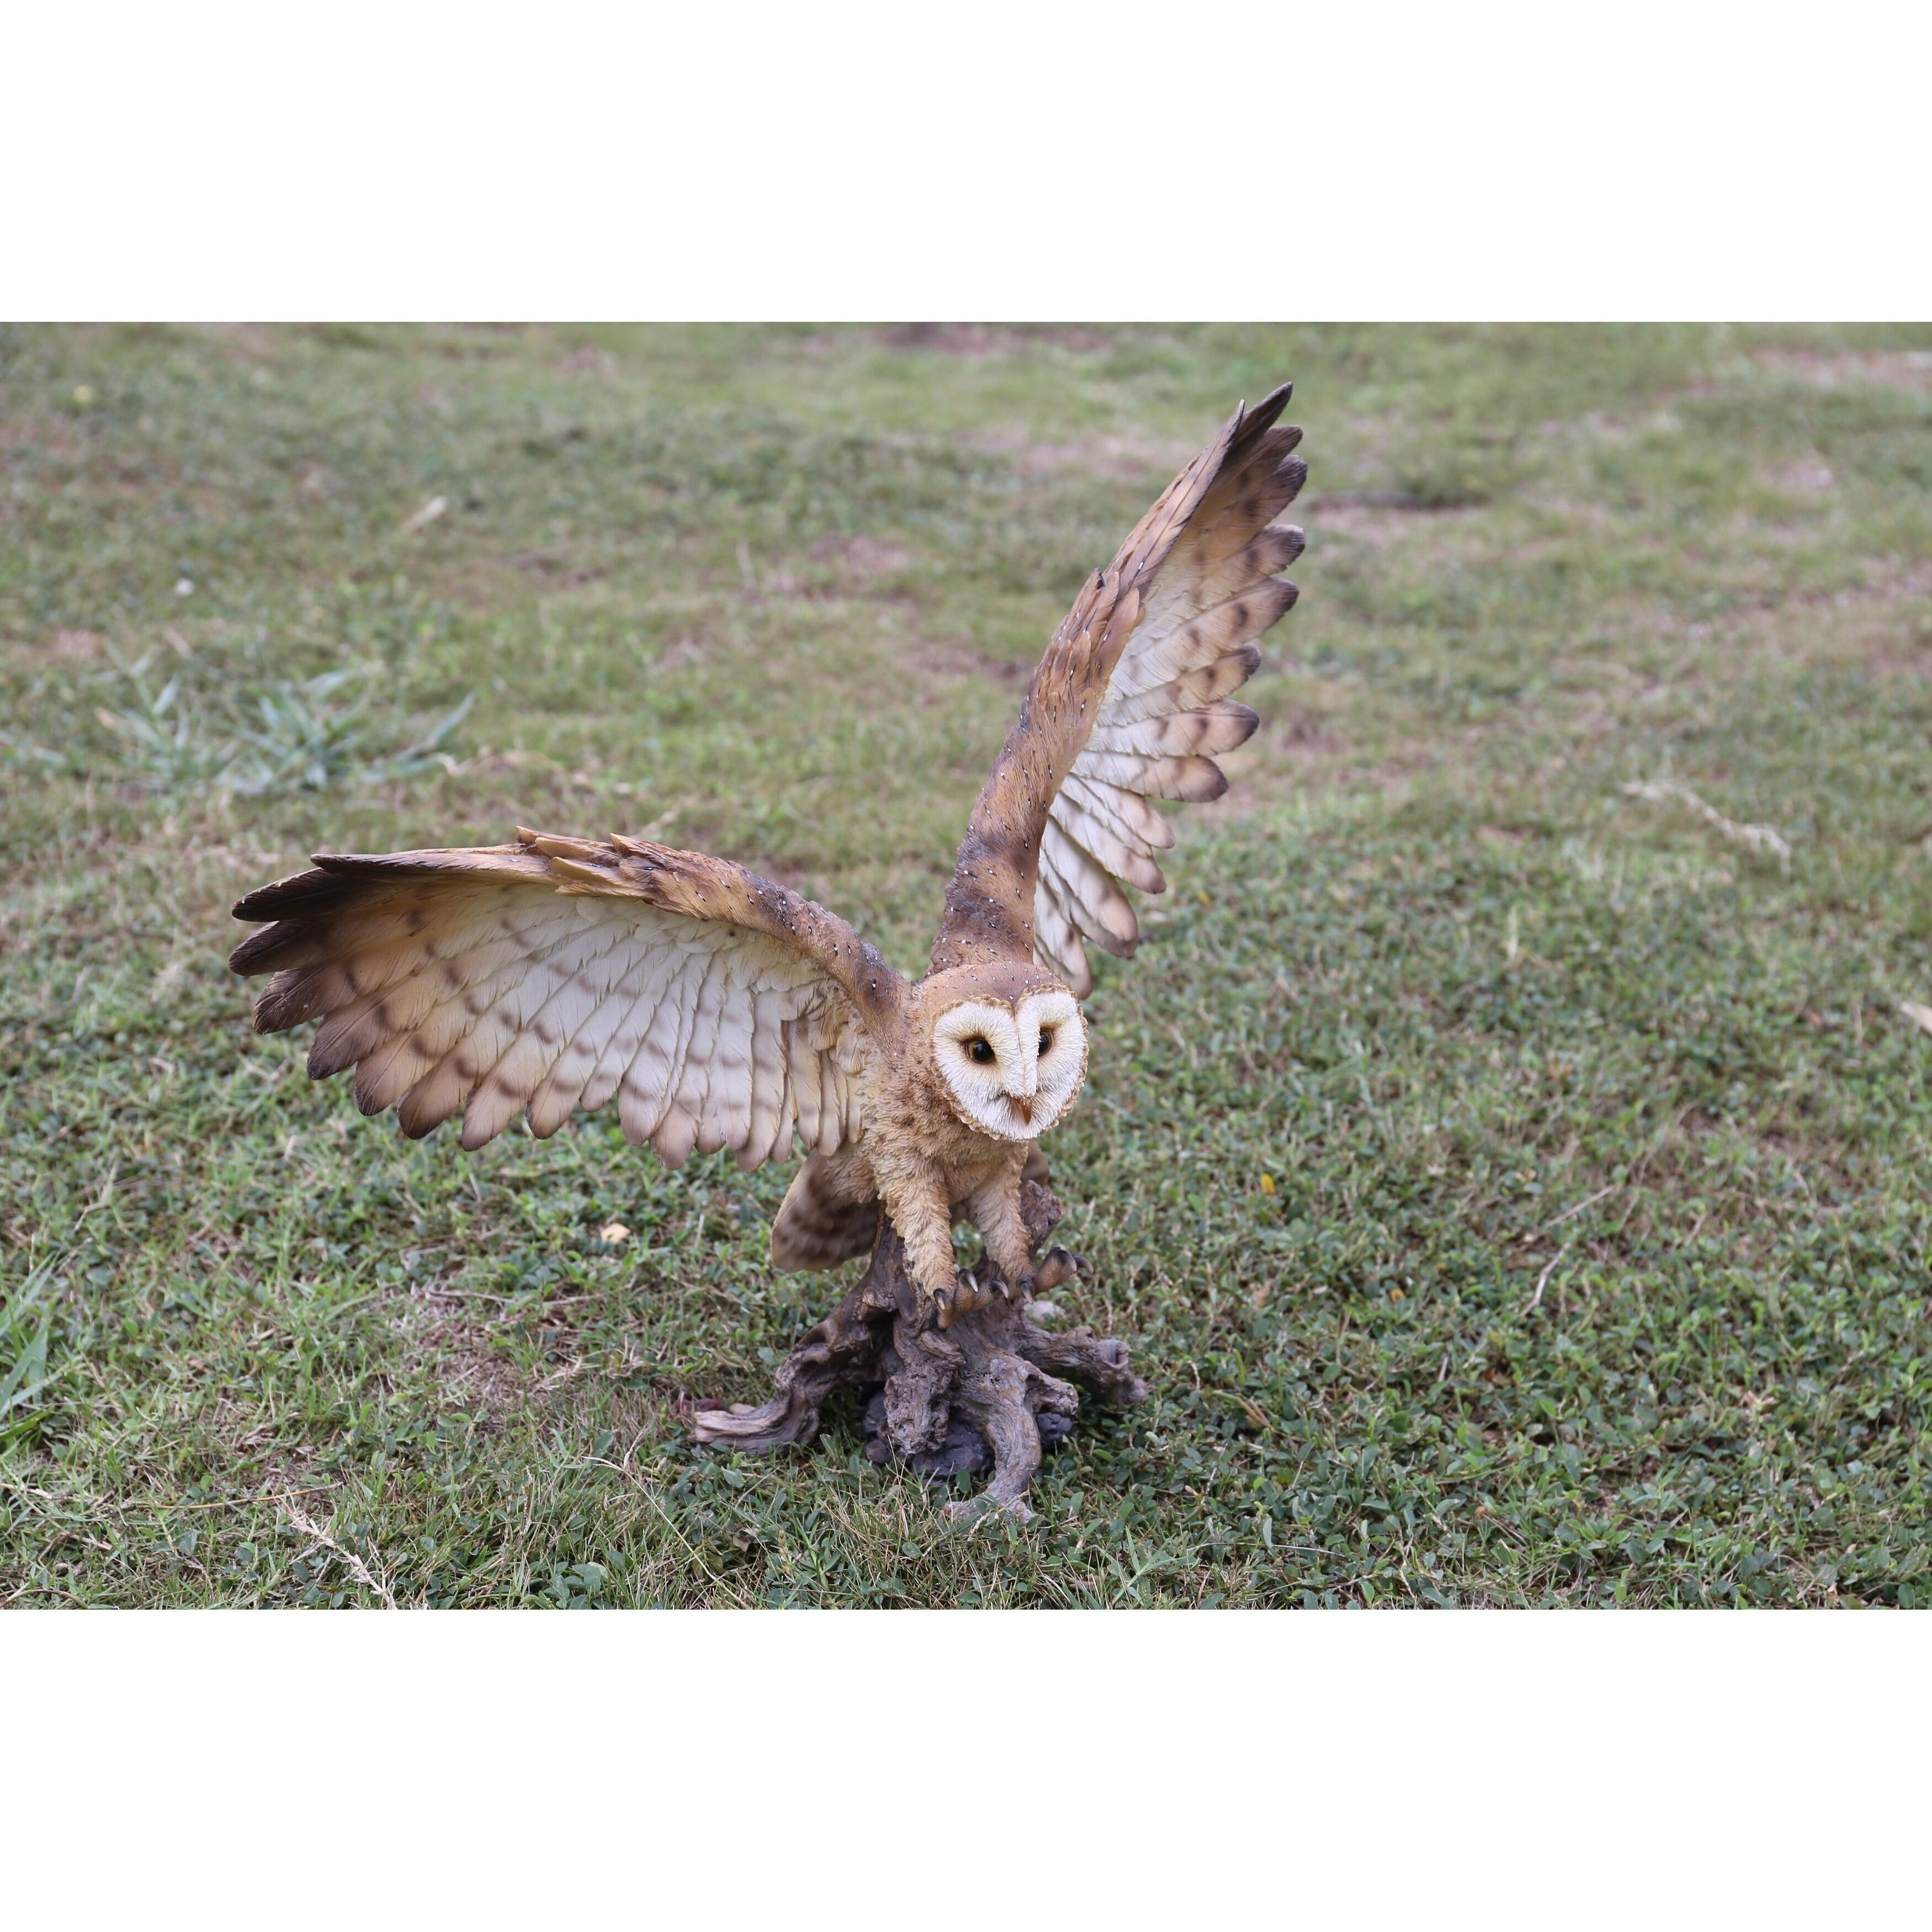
(325,1061)
(284,943)
(1256,422)
(300,893)
(1249,722)
(287,999)
(301,906)
(296,909)
(246,958)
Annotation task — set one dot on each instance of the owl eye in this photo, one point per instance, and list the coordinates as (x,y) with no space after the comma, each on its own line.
(1046,1040)
(980,1048)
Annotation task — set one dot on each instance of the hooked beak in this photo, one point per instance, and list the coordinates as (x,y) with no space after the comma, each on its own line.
(1022,1107)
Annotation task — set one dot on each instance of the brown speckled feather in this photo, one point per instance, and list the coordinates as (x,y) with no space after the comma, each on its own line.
(1129,704)
(721,1010)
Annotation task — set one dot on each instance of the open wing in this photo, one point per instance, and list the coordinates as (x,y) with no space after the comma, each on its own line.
(1130,704)
(721,1010)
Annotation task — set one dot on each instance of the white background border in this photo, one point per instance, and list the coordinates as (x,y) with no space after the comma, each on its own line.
(992,160)
(966,1769)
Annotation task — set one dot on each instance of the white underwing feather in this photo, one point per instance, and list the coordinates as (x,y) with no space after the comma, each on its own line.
(1165,716)
(490,998)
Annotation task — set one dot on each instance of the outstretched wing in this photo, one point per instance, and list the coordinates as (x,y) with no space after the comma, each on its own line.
(721,1010)
(1130,704)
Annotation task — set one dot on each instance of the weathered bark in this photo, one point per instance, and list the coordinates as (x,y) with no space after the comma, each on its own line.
(992,1389)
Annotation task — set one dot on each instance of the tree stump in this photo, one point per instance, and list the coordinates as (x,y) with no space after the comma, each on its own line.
(992,1389)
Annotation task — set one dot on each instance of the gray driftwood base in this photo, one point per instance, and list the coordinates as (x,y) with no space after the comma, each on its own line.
(992,1389)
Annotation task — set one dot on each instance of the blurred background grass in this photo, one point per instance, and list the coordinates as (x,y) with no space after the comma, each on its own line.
(1514,1186)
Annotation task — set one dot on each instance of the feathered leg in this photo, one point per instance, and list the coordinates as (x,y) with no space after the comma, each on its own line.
(994,1209)
(919,1206)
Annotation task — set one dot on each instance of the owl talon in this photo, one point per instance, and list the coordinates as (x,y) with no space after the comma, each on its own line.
(953,1302)
(967,1296)
(1058,1266)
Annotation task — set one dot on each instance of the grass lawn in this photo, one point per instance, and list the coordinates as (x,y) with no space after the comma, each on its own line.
(1512,1184)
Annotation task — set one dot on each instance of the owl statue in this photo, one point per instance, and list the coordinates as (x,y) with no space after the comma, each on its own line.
(720,1010)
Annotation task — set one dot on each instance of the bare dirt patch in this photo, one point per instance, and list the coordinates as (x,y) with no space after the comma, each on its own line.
(1379,520)
(863,559)
(1907,369)
(958,660)
(985,338)
(41,436)
(1121,456)
(246,342)
(1805,476)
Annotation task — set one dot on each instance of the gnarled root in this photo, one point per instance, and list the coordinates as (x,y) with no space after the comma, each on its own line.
(992,1389)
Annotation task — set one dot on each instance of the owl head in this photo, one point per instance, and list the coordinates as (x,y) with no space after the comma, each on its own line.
(1009,1044)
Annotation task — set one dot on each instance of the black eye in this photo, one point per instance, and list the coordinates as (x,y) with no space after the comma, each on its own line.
(1046,1039)
(980,1048)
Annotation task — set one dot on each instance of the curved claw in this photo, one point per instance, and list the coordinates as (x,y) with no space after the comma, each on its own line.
(967,1296)
(1058,1266)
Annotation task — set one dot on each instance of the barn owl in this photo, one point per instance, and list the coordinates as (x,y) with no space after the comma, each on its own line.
(721,1010)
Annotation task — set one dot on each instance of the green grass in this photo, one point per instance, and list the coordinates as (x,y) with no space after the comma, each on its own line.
(1514,1189)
